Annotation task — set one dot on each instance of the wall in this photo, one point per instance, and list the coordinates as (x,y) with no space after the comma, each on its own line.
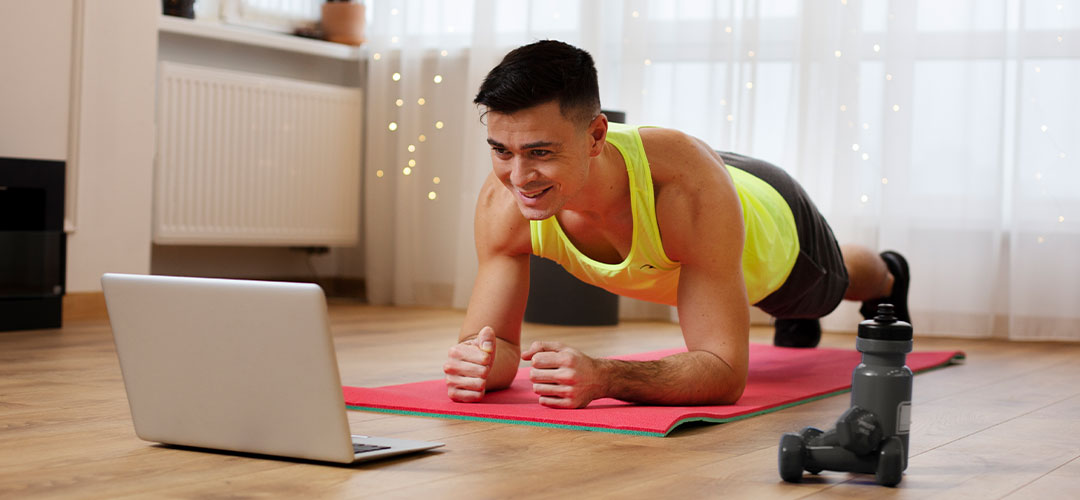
(113,147)
(35,59)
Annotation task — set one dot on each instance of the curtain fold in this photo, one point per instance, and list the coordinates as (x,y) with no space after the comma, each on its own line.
(946,130)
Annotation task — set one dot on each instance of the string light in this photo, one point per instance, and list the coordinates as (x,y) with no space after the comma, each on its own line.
(412,148)
(864,198)
(648,62)
(406,171)
(730,118)
(422,138)
(843,107)
(392,126)
(394,39)
(443,53)
(865,126)
(438,78)
(421,101)
(412,162)
(727,29)
(431,195)
(884,180)
(877,48)
(896,107)
(439,124)
(838,54)
(1040,239)
(1061,218)
(379,173)
(635,14)
(865,156)
(1061,155)
(854,147)
(396,76)
(750,85)
(750,54)
(888,76)
(393,12)
(1060,38)
(376,56)
(1044,128)
(436,180)
(399,103)
(1038,176)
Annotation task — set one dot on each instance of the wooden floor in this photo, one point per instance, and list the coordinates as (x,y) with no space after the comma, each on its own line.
(1004,425)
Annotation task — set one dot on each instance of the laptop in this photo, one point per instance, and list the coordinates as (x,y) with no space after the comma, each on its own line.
(237,365)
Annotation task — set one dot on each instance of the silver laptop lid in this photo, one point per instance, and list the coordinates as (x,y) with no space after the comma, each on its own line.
(229,364)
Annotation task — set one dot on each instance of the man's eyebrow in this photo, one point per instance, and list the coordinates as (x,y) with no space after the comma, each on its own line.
(531,145)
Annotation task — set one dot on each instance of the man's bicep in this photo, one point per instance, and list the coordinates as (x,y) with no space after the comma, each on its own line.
(714,314)
(498,297)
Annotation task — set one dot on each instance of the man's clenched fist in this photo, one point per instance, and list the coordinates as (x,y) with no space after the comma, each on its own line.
(468,367)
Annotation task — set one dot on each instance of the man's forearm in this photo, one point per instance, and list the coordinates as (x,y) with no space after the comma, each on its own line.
(505,366)
(690,378)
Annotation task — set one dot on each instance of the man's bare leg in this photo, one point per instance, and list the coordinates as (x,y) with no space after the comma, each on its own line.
(868,276)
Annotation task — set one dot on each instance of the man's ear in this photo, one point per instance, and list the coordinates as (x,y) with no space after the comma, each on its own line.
(597,135)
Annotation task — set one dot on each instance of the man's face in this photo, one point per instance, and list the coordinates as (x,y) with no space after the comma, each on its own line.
(540,156)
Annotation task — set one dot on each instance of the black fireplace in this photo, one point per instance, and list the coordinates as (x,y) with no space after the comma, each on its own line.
(33,246)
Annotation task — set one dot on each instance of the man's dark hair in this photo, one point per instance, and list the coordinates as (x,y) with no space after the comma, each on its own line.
(542,72)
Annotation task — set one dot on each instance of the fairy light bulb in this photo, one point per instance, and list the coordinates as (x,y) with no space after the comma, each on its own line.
(396,77)
(412,148)
(437,79)
(406,171)
(399,103)
(431,195)
(422,138)
(421,101)
(436,180)
(412,162)
(439,125)
(392,126)
(379,173)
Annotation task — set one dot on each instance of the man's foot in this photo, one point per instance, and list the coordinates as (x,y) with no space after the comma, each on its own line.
(898,266)
(797,333)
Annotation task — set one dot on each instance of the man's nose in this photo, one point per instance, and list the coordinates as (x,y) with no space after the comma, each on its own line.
(521,173)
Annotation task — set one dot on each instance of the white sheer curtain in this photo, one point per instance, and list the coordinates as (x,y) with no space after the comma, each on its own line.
(946,130)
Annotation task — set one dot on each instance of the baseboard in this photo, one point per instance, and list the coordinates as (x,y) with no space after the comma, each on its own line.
(84,306)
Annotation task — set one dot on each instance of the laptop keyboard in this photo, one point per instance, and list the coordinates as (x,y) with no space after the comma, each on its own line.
(361,448)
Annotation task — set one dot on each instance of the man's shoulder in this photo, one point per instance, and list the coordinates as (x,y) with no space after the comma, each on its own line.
(679,161)
(499,226)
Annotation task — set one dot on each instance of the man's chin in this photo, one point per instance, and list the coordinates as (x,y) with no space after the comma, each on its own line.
(534,213)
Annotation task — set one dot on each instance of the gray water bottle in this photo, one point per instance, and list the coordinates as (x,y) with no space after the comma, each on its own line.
(882,381)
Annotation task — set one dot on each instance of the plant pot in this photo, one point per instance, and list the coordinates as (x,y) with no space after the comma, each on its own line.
(343,22)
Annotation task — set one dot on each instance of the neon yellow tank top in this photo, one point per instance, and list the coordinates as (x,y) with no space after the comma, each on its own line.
(769,253)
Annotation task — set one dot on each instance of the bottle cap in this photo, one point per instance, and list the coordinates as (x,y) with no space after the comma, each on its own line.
(885,326)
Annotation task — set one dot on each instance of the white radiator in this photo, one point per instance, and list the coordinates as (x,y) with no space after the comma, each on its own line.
(246,159)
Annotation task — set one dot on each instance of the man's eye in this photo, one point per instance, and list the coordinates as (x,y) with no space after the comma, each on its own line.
(499,151)
(541,152)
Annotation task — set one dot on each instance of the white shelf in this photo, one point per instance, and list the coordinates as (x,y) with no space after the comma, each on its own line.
(259,38)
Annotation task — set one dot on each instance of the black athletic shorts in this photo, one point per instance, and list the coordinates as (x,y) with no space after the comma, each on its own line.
(819,279)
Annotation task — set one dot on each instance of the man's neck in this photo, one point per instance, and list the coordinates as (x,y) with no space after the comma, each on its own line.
(605,194)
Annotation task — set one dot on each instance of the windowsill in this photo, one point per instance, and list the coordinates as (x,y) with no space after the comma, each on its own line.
(249,36)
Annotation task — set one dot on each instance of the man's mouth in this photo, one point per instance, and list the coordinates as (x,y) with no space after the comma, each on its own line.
(534,194)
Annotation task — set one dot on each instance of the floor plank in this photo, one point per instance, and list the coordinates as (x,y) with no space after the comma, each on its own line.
(1001,425)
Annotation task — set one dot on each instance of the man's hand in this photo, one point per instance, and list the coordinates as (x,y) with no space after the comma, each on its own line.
(468,366)
(562,376)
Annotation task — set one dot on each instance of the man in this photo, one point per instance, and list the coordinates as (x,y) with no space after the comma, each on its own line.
(648,213)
